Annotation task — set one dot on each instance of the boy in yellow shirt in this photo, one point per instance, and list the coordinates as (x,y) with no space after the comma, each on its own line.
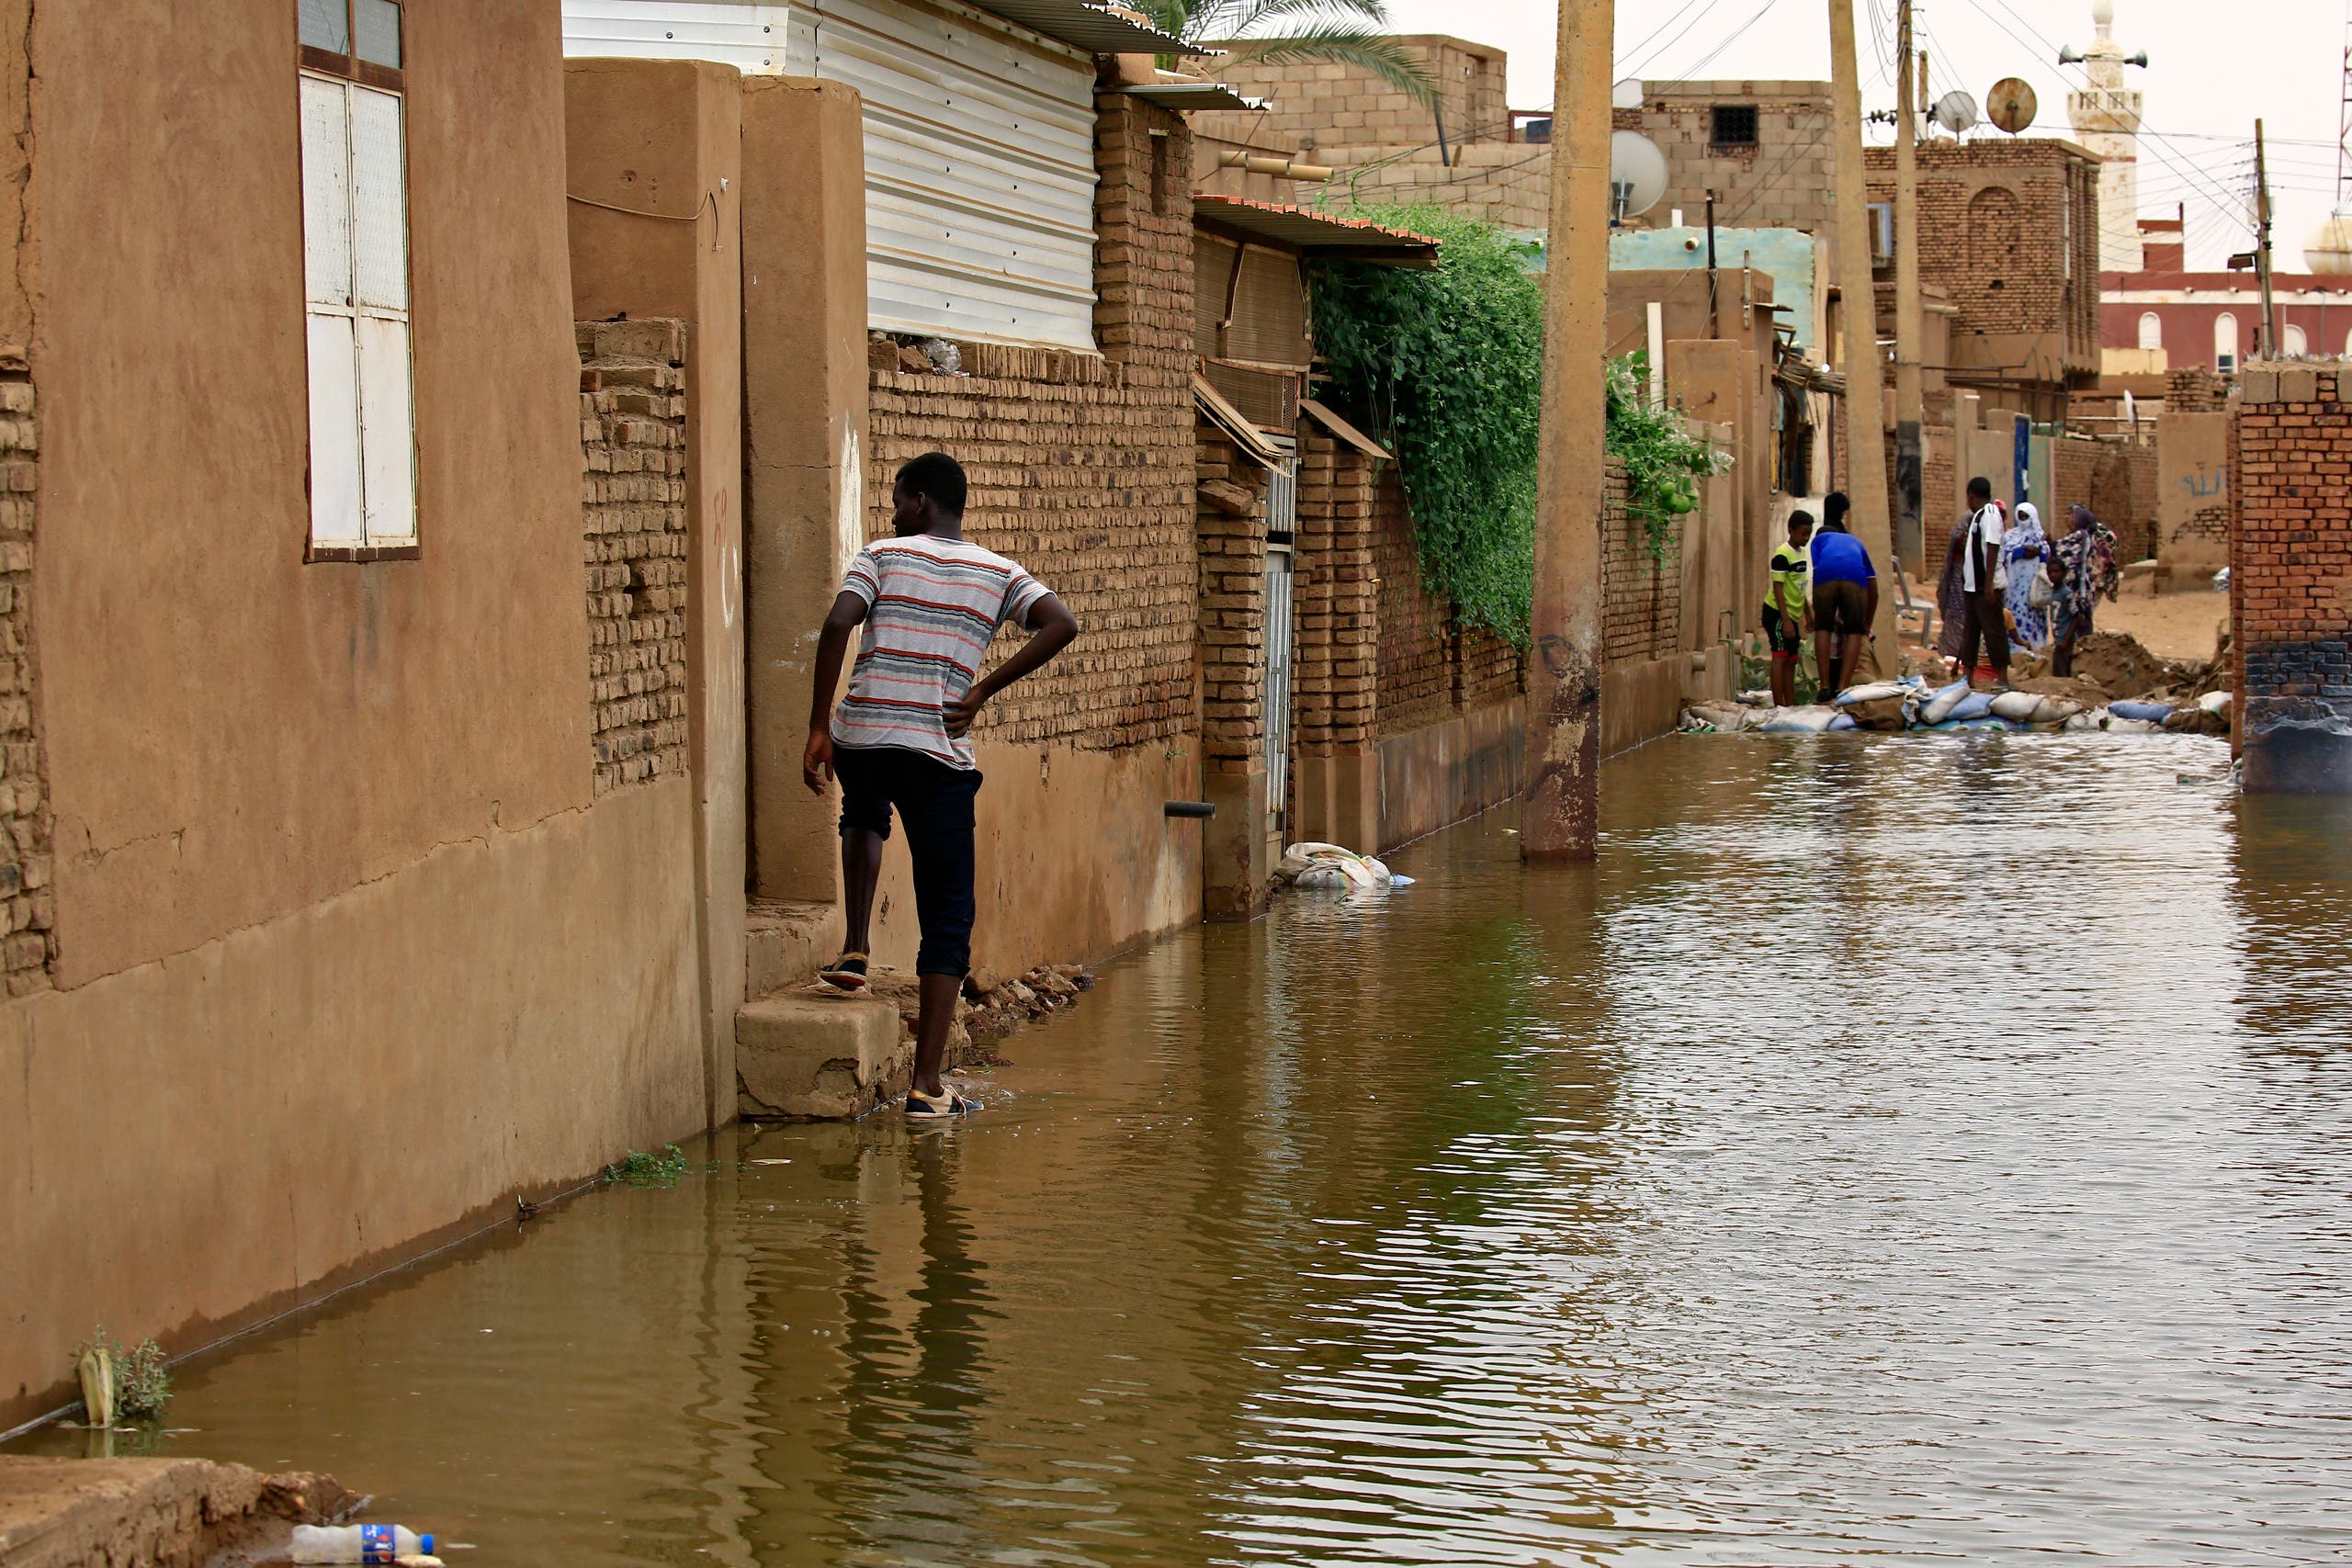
(1784,608)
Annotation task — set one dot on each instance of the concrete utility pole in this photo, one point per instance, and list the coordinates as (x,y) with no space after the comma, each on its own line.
(1561,819)
(1909,400)
(2266,340)
(1865,395)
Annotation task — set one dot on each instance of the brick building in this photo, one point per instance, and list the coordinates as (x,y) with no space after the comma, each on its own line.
(1763,148)
(1470,152)
(2291,575)
(2009,234)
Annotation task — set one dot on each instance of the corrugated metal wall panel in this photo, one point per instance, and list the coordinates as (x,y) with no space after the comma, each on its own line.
(979,148)
(979,170)
(746,33)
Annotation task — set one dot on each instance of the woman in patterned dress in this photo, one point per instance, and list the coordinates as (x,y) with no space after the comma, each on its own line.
(2024,546)
(2083,570)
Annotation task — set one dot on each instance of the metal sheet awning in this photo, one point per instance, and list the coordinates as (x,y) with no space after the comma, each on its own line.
(1226,417)
(1094,28)
(1313,233)
(1191,96)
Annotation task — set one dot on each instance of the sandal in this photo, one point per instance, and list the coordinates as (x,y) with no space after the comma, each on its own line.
(938,1107)
(847,972)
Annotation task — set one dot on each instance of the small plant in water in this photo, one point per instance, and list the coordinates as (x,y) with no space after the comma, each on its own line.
(638,1168)
(123,1382)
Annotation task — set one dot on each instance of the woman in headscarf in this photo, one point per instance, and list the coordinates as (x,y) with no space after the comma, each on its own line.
(2083,570)
(2025,547)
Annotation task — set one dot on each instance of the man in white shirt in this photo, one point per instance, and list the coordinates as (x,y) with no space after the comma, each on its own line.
(1983,618)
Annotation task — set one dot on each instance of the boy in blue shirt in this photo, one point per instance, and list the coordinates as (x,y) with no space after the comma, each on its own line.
(1844,596)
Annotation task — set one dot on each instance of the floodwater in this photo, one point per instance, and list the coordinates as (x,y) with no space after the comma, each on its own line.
(1896,1149)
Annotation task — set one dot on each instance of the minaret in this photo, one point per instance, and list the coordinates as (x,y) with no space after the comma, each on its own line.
(2106,116)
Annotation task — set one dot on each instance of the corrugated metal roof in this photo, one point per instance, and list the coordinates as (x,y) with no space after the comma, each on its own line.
(1315,233)
(1094,28)
(746,33)
(1191,96)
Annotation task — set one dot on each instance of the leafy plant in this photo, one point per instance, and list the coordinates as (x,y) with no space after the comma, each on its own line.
(638,1168)
(1337,32)
(1662,461)
(141,1386)
(1448,365)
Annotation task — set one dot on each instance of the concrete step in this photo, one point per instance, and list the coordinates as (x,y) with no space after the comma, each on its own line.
(786,942)
(814,1052)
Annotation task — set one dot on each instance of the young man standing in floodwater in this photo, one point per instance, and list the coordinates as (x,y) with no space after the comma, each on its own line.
(1844,596)
(930,601)
(1785,609)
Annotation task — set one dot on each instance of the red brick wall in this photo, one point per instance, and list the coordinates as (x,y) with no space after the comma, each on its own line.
(2290,562)
(1641,598)
(1416,655)
(1082,469)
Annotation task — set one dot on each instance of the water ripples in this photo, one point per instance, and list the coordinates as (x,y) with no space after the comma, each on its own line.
(1893,1150)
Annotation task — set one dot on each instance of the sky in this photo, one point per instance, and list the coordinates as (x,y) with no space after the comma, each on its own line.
(2214,68)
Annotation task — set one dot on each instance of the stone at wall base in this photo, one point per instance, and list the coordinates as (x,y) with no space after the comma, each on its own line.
(2295,758)
(810,1057)
(163,1513)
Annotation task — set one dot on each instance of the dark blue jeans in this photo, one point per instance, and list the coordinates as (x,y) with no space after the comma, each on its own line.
(935,802)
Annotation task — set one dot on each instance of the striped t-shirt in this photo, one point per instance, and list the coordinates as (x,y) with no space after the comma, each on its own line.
(932,606)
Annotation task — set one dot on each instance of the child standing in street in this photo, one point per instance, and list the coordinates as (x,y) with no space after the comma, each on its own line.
(930,601)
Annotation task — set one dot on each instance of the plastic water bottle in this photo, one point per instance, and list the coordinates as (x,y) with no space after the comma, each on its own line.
(358,1543)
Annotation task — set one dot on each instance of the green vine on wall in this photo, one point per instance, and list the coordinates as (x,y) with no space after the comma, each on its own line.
(1663,463)
(1447,364)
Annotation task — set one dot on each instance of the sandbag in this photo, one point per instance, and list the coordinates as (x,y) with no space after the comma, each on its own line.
(2020,707)
(1854,696)
(2153,713)
(1885,714)
(1302,860)
(2116,726)
(1810,720)
(2089,719)
(1976,704)
(1717,715)
(1939,706)
(2214,701)
(2056,710)
(1843,721)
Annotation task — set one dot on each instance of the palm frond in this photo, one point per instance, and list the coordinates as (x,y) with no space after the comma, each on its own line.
(1238,18)
(1337,43)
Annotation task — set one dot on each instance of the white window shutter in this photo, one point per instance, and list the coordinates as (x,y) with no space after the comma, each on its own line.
(378,202)
(387,432)
(326,193)
(334,432)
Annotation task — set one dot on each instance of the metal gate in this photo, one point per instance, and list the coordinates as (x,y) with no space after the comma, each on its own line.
(1282,517)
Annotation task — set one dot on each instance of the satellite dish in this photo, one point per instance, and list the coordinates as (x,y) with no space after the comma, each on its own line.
(1956,111)
(1637,174)
(2012,105)
(1626,95)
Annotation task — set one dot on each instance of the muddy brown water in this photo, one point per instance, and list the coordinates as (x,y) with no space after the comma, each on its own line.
(1896,1149)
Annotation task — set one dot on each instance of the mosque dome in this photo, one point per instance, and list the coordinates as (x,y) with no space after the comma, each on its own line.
(2329,250)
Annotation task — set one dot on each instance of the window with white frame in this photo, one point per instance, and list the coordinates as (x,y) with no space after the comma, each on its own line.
(2294,342)
(355,270)
(2225,342)
(2152,330)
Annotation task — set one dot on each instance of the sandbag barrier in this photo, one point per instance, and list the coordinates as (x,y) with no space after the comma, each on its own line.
(1894,707)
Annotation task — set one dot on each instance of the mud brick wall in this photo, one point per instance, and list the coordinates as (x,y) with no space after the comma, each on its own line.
(1338,637)
(1641,595)
(1417,635)
(2291,575)
(1082,468)
(1784,180)
(2195,389)
(633,523)
(1938,511)
(31,948)
(2117,481)
(2009,229)
(1320,105)
(1232,546)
